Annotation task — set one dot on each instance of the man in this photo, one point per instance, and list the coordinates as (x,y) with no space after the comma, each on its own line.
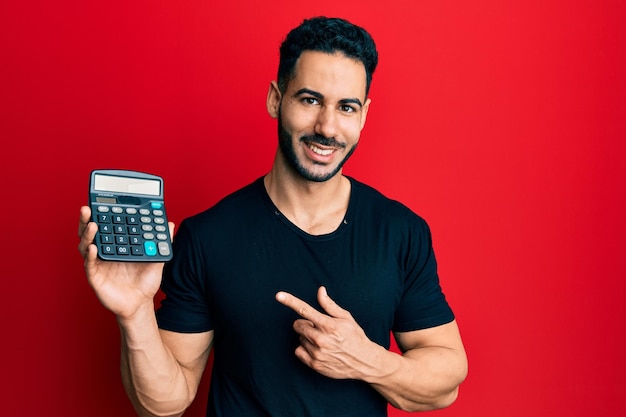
(297,280)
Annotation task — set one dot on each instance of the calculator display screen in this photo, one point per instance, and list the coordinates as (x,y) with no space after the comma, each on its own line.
(129,185)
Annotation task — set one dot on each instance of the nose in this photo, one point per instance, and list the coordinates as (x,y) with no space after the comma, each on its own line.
(326,123)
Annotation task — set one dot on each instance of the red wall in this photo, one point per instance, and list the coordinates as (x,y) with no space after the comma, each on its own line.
(502,123)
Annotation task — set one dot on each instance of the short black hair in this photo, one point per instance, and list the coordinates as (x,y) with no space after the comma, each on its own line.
(329,35)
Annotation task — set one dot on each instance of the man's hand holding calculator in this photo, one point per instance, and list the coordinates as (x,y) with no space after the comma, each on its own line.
(122,287)
(125,238)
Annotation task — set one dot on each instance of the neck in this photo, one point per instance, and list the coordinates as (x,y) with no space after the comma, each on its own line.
(315,207)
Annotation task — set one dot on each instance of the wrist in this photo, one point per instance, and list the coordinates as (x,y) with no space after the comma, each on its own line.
(381,364)
(139,324)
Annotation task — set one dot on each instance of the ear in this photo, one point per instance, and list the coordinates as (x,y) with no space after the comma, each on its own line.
(273,100)
(364,111)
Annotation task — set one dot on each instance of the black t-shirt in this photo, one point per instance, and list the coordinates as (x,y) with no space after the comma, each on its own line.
(230,261)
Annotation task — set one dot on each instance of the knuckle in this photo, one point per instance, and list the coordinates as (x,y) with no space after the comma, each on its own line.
(302,310)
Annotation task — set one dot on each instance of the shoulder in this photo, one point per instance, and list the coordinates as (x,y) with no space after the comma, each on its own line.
(233,208)
(368,199)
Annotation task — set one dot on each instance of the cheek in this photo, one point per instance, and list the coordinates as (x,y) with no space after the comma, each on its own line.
(297,121)
(351,129)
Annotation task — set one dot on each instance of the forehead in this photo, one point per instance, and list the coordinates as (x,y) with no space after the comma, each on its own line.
(329,74)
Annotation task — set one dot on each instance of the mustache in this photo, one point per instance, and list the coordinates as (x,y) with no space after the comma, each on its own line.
(322,140)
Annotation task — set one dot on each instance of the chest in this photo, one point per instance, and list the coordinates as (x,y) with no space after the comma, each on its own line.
(364,276)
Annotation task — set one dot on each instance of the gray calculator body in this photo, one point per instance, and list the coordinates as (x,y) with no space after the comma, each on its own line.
(128,208)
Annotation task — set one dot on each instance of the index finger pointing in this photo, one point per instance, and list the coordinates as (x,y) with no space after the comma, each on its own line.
(299,306)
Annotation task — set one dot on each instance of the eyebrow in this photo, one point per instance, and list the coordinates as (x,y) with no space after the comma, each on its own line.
(321,97)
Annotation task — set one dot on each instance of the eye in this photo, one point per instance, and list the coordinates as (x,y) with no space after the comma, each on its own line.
(310,100)
(347,108)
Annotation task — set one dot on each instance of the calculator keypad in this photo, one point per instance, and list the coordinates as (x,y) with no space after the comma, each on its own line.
(132,234)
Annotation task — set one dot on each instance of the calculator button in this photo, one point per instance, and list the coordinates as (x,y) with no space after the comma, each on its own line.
(108,249)
(136,250)
(135,240)
(119,219)
(146,219)
(132,220)
(119,230)
(146,228)
(133,230)
(106,239)
(148,236)
(159,220)
(156,205)
(105,228)
(117,210)
(123,250)
(161,236)
(144,211)
(131,210)
(150,248)
(103,209)
(157,212)
(121,240)
(159,228)
(104,218)
(164,249)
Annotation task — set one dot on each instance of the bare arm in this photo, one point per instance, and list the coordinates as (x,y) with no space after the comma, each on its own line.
(425,377)
(428,373)
(161,379)
(161,370)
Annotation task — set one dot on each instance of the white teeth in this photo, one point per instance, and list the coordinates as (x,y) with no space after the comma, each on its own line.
(323,152)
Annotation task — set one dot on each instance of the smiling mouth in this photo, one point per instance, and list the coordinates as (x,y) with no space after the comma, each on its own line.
(319,151)
(321,145)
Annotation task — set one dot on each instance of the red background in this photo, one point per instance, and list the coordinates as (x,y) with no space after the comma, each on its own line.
(502,123)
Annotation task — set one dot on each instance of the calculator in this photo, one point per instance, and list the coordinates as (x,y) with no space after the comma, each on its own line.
(128,208)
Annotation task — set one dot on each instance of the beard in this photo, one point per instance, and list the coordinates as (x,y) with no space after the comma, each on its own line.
(285,143)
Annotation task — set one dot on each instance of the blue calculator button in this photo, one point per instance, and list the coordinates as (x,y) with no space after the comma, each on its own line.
(151,248)
(156,205)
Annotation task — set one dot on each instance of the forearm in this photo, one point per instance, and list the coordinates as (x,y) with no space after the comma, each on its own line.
(422,379)
(154,381)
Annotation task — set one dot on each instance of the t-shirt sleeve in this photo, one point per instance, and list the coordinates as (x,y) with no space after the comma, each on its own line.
(184,308)
(423,304)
